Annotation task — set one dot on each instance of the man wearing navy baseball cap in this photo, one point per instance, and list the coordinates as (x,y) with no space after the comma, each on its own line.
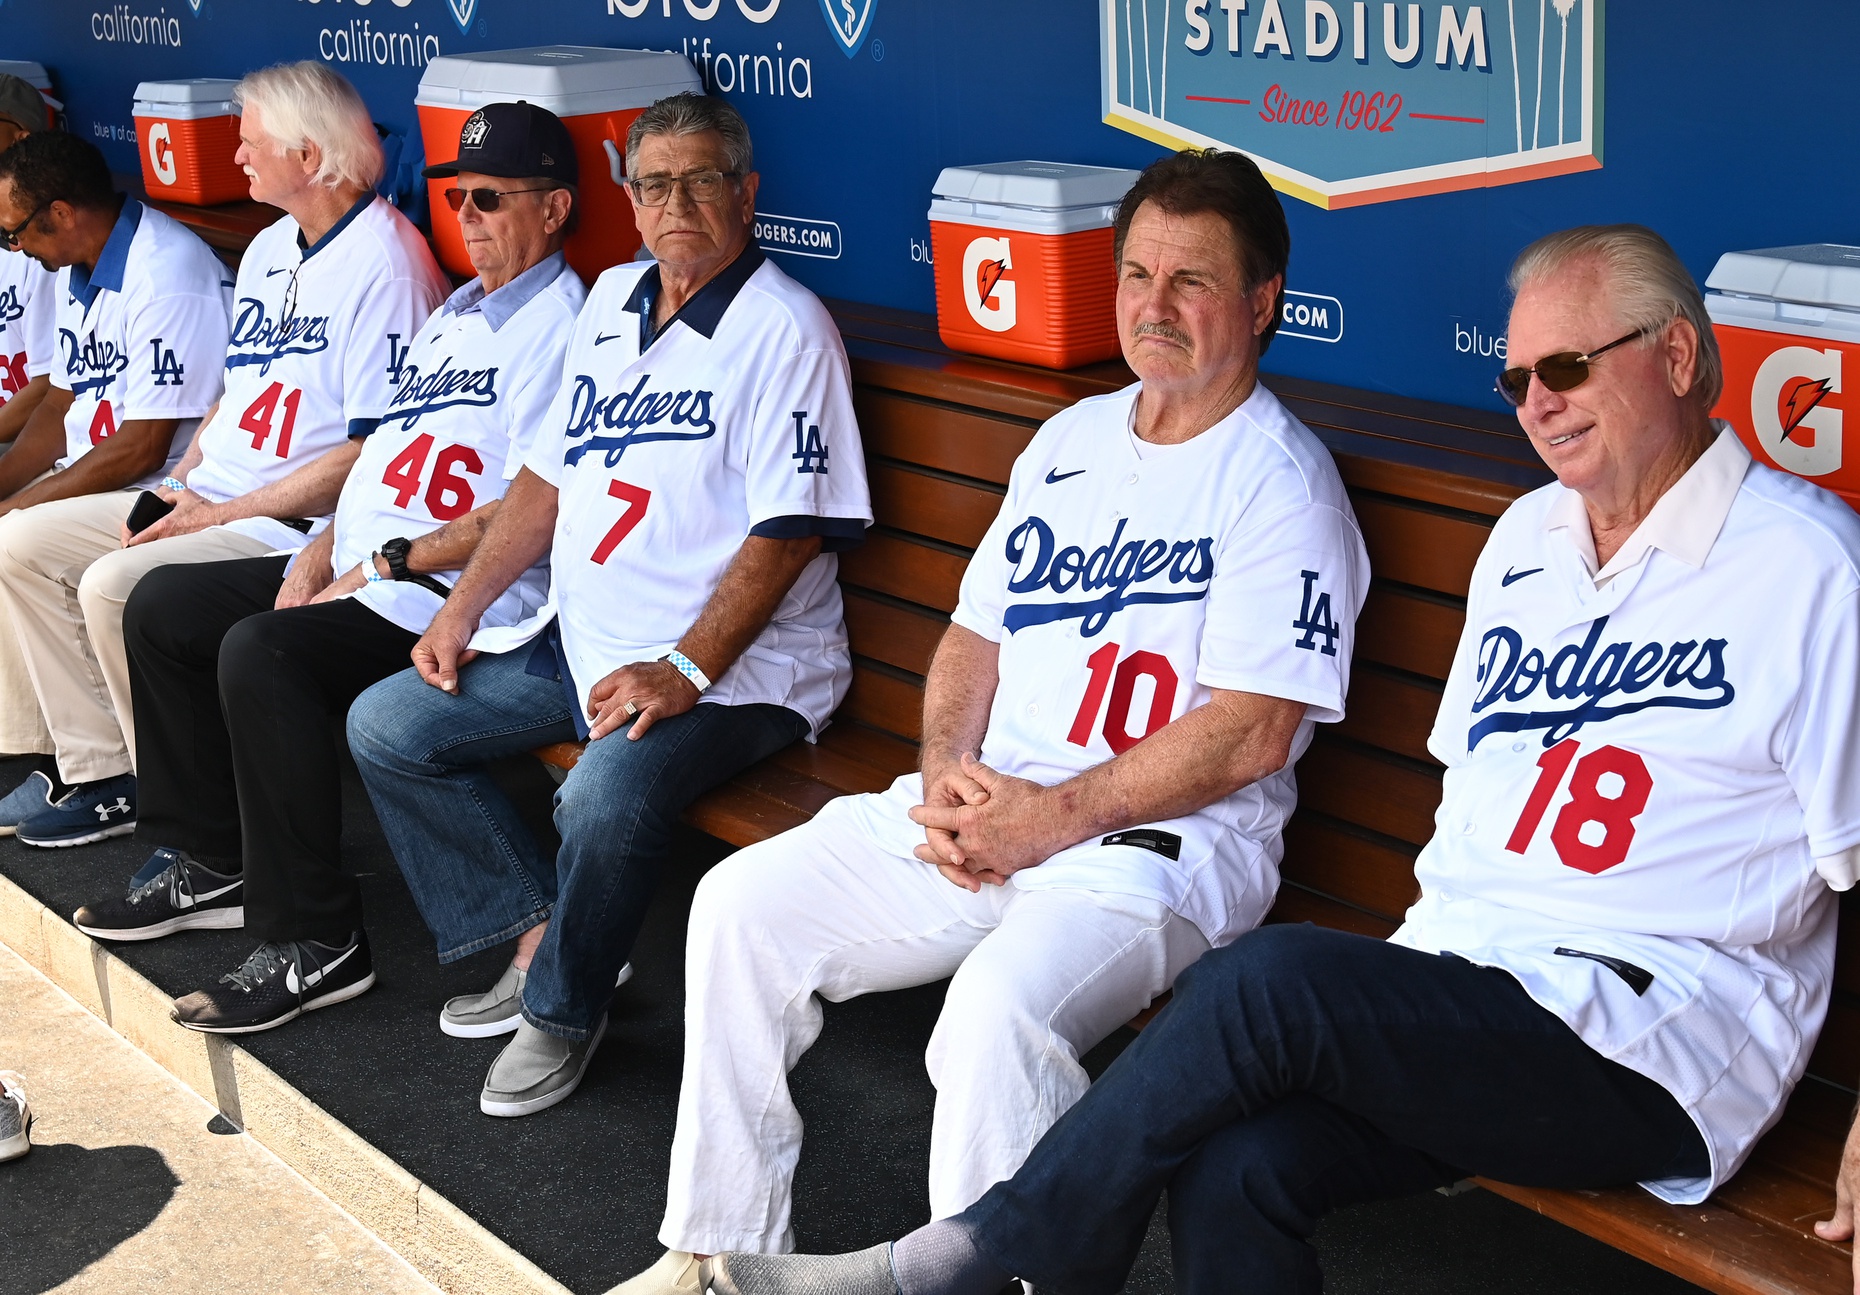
(510,141)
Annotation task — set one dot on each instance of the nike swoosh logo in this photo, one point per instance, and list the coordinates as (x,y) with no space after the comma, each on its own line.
(607,337)
(1512,577)
(282,269)
(315,978)
(195,900)
(1054,476)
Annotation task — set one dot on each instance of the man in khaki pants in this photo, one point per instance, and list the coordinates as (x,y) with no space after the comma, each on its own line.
(328,300)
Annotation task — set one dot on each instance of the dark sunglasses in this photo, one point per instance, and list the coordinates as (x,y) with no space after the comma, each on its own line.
(487,199)
(1564,371)
(9,238)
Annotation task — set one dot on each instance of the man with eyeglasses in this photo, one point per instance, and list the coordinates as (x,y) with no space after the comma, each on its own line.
(1622,951)
(327,301)
(689,486)
(235,696)
(140,321)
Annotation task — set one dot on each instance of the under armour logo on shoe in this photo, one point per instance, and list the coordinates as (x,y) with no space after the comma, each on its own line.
(104,811)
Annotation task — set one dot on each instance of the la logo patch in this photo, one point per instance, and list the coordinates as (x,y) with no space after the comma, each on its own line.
(849,20)
(462,11)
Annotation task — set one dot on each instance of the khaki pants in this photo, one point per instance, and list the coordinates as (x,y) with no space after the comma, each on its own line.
(64,577)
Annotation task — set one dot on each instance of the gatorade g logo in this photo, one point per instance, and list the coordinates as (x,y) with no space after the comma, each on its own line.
(988,295)
(1792,423)
(161,153)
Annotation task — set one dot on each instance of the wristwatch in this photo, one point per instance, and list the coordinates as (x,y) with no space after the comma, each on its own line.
(395,552)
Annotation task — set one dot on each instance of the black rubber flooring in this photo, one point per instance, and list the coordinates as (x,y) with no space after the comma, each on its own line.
(580,1189)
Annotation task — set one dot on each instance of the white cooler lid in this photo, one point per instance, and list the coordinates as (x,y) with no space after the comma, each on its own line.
(31,73)
(183,100)
(1037,197)
(568,80)
(1812,289)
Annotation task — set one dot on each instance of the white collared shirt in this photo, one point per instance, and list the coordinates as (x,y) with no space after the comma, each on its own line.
(1646,767)
(28,298)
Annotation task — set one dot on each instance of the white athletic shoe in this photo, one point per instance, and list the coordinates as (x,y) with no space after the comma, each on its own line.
(676,1273)
(15,1117)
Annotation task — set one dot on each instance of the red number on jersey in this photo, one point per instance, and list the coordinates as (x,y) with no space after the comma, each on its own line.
(13,373)
(403,471)
(1614,811)
(450,494)
(258,415)
(1123,687)
(102,423)
(636,500)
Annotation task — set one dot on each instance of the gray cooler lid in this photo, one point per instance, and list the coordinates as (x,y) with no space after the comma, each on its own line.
(1813,274)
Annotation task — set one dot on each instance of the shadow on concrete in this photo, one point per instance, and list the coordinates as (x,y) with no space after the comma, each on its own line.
(64,1207)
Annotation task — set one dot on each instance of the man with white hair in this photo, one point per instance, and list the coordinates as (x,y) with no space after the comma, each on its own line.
(328,300)
(1622,953)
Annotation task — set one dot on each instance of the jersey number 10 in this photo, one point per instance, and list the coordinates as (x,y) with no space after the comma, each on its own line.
(1613,811)
(1121,680)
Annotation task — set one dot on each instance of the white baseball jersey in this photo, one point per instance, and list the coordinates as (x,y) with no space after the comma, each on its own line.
(736,419)
(1641,777)
(28,296)
(318,335)
(1123,582)
(474,387)
(141,336)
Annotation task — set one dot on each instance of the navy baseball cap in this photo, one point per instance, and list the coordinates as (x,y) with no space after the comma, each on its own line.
(515,141)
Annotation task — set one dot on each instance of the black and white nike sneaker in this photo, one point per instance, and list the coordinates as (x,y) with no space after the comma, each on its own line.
(182,896)
(279,982)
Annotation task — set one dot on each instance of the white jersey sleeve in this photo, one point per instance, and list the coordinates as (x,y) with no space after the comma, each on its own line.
(36,328)
(386,321)
(1819,754)
(1282,609)
(178,349)
(804,456)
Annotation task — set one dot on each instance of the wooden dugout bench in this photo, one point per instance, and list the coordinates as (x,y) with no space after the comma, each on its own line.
(941,432)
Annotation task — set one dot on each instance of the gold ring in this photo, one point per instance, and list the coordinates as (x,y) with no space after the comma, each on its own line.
(629,709)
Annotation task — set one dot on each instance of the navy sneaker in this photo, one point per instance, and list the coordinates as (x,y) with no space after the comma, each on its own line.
(279,982)
(90,811)
(33,796)
(182,896)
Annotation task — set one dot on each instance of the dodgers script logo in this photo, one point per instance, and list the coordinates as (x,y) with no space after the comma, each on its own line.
(1687,674)
(631,414)
(1116,567)
(10,307)
(420,394)
(259,339)
(92,365)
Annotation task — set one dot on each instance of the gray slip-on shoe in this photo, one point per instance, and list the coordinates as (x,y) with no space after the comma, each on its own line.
(33,796)
(537,1070)
(676,1273)
(864,1272)
(499,1008)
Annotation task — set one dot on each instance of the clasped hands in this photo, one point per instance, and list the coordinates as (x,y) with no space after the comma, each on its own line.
(982,826)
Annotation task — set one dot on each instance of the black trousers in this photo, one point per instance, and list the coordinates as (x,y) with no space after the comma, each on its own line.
(236,759)
(1300,1070)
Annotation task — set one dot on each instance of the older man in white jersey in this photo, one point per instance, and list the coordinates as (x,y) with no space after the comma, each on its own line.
(328,300)
(1146,638)
(141,318)
(689,486)
(236,680)
(1623,948)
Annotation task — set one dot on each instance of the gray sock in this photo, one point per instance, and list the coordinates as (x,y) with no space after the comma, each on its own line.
(942,1258)
(865,1272)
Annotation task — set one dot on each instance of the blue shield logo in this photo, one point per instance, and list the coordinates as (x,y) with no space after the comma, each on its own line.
(849,20)
(195,6)
(462,11)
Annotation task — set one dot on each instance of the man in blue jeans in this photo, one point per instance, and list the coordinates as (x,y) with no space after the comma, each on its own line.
(1623,948)
(698,468)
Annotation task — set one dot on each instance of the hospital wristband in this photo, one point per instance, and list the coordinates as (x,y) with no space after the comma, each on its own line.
(169,483)
(688,668)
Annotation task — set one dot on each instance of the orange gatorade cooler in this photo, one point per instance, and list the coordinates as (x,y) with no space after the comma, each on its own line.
(1788,324)
(187,133)
(596,92)
(34,75)
(1022,252)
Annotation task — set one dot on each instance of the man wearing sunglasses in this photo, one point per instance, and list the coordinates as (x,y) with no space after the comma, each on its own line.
(1622,951)
(689,486)
(328,299)
(141,322)
(235,697)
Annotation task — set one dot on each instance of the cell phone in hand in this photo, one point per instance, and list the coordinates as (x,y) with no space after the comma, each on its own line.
(149,509)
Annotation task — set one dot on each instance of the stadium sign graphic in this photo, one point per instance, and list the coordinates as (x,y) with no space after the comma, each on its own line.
(849,21)
(462,11)
(1348,102)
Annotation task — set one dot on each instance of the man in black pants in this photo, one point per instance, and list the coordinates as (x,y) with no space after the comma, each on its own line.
(237,668)
(1623,948)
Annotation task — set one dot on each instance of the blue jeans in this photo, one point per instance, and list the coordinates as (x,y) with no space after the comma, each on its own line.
(477,872)
(1300,1070)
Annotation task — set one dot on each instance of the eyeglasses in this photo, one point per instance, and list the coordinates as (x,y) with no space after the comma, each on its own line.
(488,199)
(1564,371)
(699,186)
(9,238)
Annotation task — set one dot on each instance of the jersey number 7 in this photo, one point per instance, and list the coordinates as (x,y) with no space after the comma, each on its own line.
(636,499)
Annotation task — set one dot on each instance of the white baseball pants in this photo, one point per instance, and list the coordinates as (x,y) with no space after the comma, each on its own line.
(830,911)
(64,577)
